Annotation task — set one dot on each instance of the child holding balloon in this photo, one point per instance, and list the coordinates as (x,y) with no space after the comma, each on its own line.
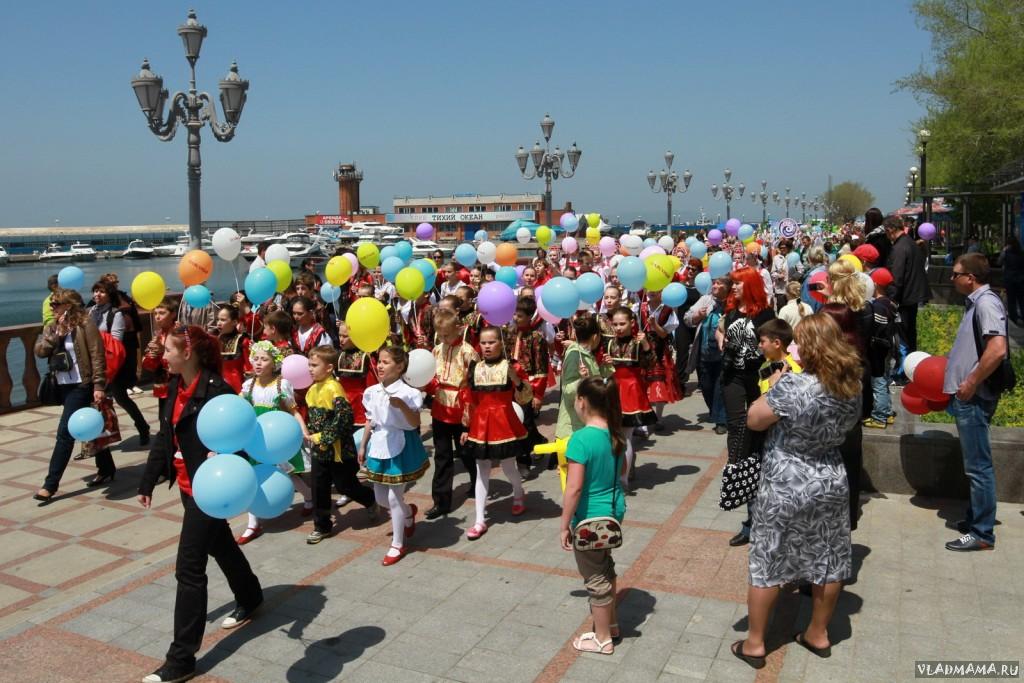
(266,390)
(165,315)
(391,448)
(631,355)
(659,322)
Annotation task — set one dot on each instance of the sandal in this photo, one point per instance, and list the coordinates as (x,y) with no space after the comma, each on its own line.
(476,531)
(588,642)
(823,652)
(754,661)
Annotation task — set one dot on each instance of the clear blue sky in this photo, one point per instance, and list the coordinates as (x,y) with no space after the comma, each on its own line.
(433,98)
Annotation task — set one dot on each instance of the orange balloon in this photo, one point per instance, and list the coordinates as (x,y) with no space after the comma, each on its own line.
(195,267)
(753,248)
(507,254)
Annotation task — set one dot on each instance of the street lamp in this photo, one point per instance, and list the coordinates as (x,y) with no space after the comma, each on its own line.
(923,136)
(669,184)
(192,110)
(548,163)
(787,200)
(728,191)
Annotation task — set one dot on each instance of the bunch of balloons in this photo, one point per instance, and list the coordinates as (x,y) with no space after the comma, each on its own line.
(925,393)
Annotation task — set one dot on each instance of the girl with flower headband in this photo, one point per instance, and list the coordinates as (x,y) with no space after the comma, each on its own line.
(266,390)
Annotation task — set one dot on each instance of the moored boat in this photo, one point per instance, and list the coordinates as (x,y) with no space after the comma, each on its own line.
(56,252)
(83,251)
(137,249)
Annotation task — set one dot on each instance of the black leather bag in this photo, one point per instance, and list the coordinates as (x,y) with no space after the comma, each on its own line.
(49,391)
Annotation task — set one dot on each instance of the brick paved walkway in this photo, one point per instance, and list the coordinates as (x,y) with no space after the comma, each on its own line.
(86,585)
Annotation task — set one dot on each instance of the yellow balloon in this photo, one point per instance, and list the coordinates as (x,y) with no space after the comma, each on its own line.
(338,271)
(659,272)
(704,261)
(368,324)
(593,220)
(676,262)
(593,235)
(283,272)
(369,255)
(148,290)
(544,235)
(854,261)
(410,283)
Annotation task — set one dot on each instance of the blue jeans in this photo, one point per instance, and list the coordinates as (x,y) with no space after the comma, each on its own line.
(709,376)
(972,424)
(75,396)
(883,401)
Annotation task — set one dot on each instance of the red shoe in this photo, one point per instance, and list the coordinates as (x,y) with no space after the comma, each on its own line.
(307,511)
(518,507)
(410,528)
(389,560)
(476,531)
(256,533)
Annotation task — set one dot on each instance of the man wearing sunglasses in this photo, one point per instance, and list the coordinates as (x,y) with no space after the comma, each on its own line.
(978,351)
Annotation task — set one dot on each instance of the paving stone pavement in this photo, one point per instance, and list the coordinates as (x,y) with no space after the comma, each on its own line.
(87,584)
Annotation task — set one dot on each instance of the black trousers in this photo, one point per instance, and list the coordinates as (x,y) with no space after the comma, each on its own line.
(908,326)
(343,476)
(203,537)
(852,452)
(118,389)
(446,449)
(533,435)
(683,340)
(739,390)
(73,397)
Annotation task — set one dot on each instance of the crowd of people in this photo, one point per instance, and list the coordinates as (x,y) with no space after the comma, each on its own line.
(794,350)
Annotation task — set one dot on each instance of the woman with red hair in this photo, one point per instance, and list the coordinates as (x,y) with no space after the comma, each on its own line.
(746,310)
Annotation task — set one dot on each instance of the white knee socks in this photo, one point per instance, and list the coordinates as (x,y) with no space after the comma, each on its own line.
(511,470)
(392,498)
(627,434)
(483,480)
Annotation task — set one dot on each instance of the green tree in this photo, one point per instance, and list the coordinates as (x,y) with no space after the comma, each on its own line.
(972,92)
(847,200)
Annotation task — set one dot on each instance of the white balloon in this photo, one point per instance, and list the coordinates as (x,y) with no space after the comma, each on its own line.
(632,244)
(486,252)
(523,235)
(519,411)
(912,361)
(277,252)
(869,285)
(422,367)
(227,244)
(666,243)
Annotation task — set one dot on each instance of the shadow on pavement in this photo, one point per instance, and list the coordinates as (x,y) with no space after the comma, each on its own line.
(326,658)
(649,475)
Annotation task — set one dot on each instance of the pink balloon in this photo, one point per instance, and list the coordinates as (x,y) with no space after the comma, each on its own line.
(651,251)
(295,369)
(607,246)
(569,245)
(354,260)
(496,303)
(715,237)
(544,313)
(794,351)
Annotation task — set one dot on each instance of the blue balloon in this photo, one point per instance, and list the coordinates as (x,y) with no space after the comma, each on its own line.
(590,287)
(224,485)
(260,285)
(698,250)
(793,259)
(197,296)
(389,267)
(570,222)
(650,242)
(719,265)
(702,282)
(745,232)
(387,252)
(276,438)
(404,249)
(561,297)
(764,251)
(71,277)
(429,272)
(507,274)
(274,492)
(674,294)
(690,241)
(358,438)
(85,424)
(480,236)
(226,423)
(329,292)
(632,273)
(466,255)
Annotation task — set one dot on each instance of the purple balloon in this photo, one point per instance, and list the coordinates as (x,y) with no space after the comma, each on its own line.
(519,274)
(424,231)
(496,303)
(926,231)
(715,236)
(732,226)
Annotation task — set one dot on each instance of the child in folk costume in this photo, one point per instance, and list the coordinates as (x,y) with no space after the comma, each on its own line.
(333,450)
(450,390)
(530,350)
(495,431)
(391,449)
(419,323)
(277,329)
(658,322)
(355,372)
(611,300)
(307,333)
(631,356)
(234,347)
(472,321)
(266,390)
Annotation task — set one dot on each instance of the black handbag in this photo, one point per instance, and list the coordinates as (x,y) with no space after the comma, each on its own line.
(49,390)
(740,481)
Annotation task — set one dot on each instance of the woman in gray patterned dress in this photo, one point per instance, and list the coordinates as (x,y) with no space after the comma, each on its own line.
(801,521)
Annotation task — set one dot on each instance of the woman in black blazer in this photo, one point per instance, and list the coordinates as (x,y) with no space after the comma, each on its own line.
(193,359)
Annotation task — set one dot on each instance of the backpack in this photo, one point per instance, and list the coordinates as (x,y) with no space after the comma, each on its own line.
(884,330)
(1003,378)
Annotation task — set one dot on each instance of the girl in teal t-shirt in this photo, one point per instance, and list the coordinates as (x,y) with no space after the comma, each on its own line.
(593,489)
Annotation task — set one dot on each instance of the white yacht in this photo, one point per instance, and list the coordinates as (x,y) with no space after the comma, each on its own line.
(137,249)
(4,256)
(83,251)
(424,248)
(176,249)
(300,245)
(56,252)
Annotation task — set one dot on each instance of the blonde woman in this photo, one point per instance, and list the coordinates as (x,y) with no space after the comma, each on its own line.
(795,310)
(801,525)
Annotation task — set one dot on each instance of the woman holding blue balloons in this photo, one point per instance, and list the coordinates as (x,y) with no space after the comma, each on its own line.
(74,350)
(193,359)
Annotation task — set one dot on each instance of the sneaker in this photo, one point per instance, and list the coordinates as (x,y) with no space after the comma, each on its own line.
(315,536)
(169,673)
(240,616)
(872,423)
(721,429)
(343,501)
(135,390)
(968,542)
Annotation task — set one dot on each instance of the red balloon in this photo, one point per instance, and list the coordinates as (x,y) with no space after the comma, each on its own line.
(929,377)
(817,285)
(913,401)
(938,406)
